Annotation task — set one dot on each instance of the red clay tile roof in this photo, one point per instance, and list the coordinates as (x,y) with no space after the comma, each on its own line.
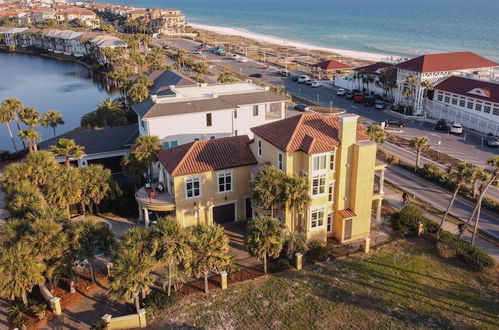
(347,213)
(446,62)
(331,65)
(463,86)
(310,133)
(207,155)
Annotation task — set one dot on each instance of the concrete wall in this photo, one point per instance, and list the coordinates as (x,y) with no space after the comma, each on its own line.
(131,321)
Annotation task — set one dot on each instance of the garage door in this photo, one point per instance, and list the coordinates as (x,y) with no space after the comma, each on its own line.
(224,213)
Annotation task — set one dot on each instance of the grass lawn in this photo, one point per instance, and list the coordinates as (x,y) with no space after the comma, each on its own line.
(404,284)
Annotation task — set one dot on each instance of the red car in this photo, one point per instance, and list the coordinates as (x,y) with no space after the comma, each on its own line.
(358,98)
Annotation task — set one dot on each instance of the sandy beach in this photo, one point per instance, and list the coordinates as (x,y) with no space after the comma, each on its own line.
(284,42)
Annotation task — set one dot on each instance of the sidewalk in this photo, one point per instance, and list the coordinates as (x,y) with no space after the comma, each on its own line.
(395,199)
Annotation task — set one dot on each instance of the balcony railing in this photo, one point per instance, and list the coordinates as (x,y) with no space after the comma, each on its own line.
(153,196)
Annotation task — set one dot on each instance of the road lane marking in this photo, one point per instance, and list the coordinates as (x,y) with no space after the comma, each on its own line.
(354,107)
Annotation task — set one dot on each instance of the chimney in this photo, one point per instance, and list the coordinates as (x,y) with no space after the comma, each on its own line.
(347,131)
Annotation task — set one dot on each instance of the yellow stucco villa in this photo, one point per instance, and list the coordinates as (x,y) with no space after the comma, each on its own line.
(209,181)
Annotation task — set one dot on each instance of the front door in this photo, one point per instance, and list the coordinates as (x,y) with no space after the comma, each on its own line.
(330,224)
(224,213)
(348,229)
(248,209)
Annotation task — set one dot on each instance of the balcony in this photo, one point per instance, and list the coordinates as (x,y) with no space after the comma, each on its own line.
(155,198)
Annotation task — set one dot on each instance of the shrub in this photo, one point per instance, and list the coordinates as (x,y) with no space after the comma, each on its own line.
(293,243)
(40,310)
(282,264)
(471,255)
(317,251)
(157,301)
(99,325)
(445,251)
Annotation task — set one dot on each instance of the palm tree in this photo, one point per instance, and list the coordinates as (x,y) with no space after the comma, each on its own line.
(267,189)
(180,58)
(210,251)
(69,149)
(173,244)
(32,137)
(226,77)
(426,85)
(138,93)
(138,238)
(478,175)
(94,236)
(133,168)
(494,162)
(131,276)
(15,229)
(15,105)
(24,198)
(65,188)
(30,116)
(109,112)
(377,134)
(459,177)
(39,168)
(297,195)
(145,150)
(419,143)
(408,92)
(20,271)
(6,115)
(47,239)
(264,239)
(95,179)
(52,118)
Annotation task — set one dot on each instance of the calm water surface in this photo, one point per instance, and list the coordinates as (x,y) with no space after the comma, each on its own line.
(48,84)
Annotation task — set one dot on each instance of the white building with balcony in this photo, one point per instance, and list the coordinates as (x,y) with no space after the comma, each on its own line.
(187,112)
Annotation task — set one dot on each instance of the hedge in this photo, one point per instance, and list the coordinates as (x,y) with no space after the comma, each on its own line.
(409,219)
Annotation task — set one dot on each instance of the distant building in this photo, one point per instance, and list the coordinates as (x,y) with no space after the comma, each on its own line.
(330,68)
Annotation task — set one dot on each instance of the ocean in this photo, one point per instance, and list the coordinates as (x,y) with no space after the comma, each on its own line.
(393,27)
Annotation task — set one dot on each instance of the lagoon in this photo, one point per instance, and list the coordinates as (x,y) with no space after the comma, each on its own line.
(48,84)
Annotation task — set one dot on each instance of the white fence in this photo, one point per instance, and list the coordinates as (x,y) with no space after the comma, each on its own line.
(437,110)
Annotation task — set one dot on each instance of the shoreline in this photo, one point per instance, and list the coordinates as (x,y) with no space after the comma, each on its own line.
(356,55)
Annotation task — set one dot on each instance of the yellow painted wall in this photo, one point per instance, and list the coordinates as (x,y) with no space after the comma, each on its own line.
(190,212)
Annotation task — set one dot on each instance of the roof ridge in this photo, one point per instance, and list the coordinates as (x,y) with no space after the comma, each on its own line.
(184,157)
(295,130)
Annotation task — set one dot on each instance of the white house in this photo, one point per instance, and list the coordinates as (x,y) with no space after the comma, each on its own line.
(473,103)
(182,114)
(435,68)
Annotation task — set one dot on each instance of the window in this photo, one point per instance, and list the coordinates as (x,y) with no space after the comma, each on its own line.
(495,111)
(196,139)
(174,143)
(439,97)
(166,145)
(319,163)
(280,161)
(224,182)
(462,103)
(330,192)
(329,222)
(332,161)
(208,119)
(193,187)
(317,217)
(259,147)
(454,101)
(478,107)
(255,110)
(235,132)
(170,144)
(318,184)
(212,137)
(486,108)
(447,99)
(469,105)
(235,113)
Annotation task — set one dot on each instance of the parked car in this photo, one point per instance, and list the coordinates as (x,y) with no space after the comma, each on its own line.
(197,51)
(309,82)
(302,107)
(456,128)
(380,105)
(369,101)
(341,92)
(294,78)
(394,123)
(358,98)
(316,83)
(492,141)
(303,79)
(255,75)
(441,125)
(235,56)
(285,73)
(349,95)
(243,59)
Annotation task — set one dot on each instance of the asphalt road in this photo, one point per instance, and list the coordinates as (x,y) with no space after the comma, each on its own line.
(440,198)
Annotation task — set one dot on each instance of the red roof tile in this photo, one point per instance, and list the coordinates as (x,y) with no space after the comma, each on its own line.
(446,62)
(347,213)
(207,155)
(310,133)
(375,68)
(487,91)
(331,65)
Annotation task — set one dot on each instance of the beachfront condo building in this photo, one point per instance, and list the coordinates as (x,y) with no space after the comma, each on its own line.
(209,181)
(180,110)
